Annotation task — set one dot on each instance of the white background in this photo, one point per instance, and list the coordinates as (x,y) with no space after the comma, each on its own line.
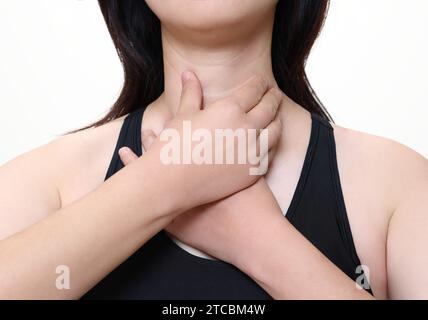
(59,70)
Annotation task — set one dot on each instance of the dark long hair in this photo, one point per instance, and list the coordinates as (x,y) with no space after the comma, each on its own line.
(136,34)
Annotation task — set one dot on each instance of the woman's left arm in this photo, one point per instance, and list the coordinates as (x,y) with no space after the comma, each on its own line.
(249,231)
(407,248)
(407,242)
(287,266)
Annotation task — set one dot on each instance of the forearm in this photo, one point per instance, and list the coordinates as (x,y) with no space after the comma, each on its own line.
(288,266)
(90,237)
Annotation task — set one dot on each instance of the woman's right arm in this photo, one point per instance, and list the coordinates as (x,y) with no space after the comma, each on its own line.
(90,237)
(94,234)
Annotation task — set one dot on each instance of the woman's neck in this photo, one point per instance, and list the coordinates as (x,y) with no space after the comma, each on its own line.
(221,66)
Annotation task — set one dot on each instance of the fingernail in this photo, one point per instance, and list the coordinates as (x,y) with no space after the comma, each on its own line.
(186,75)
(122,151)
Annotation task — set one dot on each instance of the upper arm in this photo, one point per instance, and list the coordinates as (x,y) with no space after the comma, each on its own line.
(407,243)
(27,190)
(42,181)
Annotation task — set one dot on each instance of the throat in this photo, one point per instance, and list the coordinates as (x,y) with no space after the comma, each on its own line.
(221,70)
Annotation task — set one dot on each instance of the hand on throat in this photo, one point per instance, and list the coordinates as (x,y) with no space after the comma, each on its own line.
(221,66)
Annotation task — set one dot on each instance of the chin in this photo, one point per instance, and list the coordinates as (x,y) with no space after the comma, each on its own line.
(207,15)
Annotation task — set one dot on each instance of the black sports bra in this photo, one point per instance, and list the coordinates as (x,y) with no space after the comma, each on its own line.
(161,269)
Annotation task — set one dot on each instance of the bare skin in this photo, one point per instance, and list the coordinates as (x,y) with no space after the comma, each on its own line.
(377,235)
(94,232)
(50,194)
(364,174)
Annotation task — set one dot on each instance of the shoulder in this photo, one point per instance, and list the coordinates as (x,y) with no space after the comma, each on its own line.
(41,181)
(83,158)
(395,169)
(87,144)
(72,164)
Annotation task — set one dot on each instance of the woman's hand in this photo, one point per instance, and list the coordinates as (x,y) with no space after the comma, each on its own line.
(228,228)
(248,230)
(254,106)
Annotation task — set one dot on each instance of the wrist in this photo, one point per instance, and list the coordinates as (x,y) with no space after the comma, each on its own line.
(254,257)
(162,183)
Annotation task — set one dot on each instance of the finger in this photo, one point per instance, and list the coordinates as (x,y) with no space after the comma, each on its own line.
(269,157)
(266,110)
(269,137)
(147,139)
(263,149)
(127,155)
(251,93)
(274,132)
(191,93)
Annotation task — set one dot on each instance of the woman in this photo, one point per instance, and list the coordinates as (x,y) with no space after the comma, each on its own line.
(356,222)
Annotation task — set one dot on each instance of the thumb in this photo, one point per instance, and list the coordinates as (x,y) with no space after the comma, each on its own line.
(191,93)
(127,155)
